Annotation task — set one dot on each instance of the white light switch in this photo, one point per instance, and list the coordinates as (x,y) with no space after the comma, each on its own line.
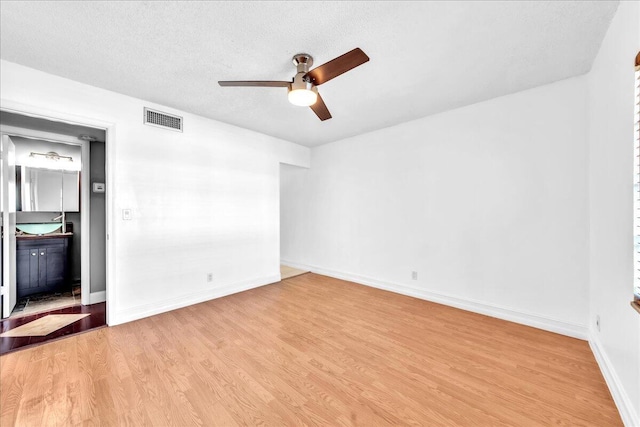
(126,214)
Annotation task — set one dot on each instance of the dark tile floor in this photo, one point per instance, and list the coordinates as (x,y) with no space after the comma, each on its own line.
(95,320)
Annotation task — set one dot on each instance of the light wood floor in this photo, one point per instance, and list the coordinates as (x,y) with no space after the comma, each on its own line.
(287,272)
(309,350)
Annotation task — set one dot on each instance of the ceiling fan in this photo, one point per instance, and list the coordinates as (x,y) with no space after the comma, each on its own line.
(303,89)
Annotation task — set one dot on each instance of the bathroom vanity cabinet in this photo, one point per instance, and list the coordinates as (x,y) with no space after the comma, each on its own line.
(41,263)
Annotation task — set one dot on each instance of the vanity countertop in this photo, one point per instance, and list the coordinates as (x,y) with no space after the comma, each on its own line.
(43,236)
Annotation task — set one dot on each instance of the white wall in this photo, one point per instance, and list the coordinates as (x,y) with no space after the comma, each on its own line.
(488,203)
(205,200)
(611,139)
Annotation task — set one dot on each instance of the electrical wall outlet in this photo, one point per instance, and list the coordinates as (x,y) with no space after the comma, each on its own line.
(209,277)
(598,322)
(414,275)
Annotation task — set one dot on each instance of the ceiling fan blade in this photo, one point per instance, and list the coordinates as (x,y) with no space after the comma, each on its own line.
(337,66)
(321,110)
(254,83)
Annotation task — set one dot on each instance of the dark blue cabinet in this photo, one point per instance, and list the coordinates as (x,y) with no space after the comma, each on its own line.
(41,265)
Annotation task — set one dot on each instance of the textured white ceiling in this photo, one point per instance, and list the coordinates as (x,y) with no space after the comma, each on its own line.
(426,57)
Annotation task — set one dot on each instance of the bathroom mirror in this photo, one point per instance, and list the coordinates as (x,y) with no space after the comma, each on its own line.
(47,190)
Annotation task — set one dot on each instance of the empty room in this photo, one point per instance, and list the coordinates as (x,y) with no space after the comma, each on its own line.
(372,213)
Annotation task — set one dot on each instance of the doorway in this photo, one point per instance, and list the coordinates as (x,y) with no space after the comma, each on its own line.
(48,224)
(61,270)
(292,226)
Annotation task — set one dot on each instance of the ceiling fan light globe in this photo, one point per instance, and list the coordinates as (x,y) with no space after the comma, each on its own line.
(302,97)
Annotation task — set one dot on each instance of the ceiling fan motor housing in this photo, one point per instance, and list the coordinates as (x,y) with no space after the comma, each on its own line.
(300,83)
(302,61)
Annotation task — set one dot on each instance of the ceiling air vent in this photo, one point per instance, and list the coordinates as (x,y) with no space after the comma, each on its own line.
(163,120)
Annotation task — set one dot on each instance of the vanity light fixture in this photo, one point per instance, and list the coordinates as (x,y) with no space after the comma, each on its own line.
(51,160)
(51,155)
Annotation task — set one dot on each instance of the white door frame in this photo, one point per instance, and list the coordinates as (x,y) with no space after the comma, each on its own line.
(9,289)
(109,128)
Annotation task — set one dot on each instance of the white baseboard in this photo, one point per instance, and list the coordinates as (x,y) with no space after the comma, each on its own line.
(146,310)
(629,416)
(513,315)
(96,297)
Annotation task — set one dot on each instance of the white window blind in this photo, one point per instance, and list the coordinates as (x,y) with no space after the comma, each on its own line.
(636,185)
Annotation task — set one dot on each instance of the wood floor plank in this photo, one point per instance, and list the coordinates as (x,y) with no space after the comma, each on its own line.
(308,351)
